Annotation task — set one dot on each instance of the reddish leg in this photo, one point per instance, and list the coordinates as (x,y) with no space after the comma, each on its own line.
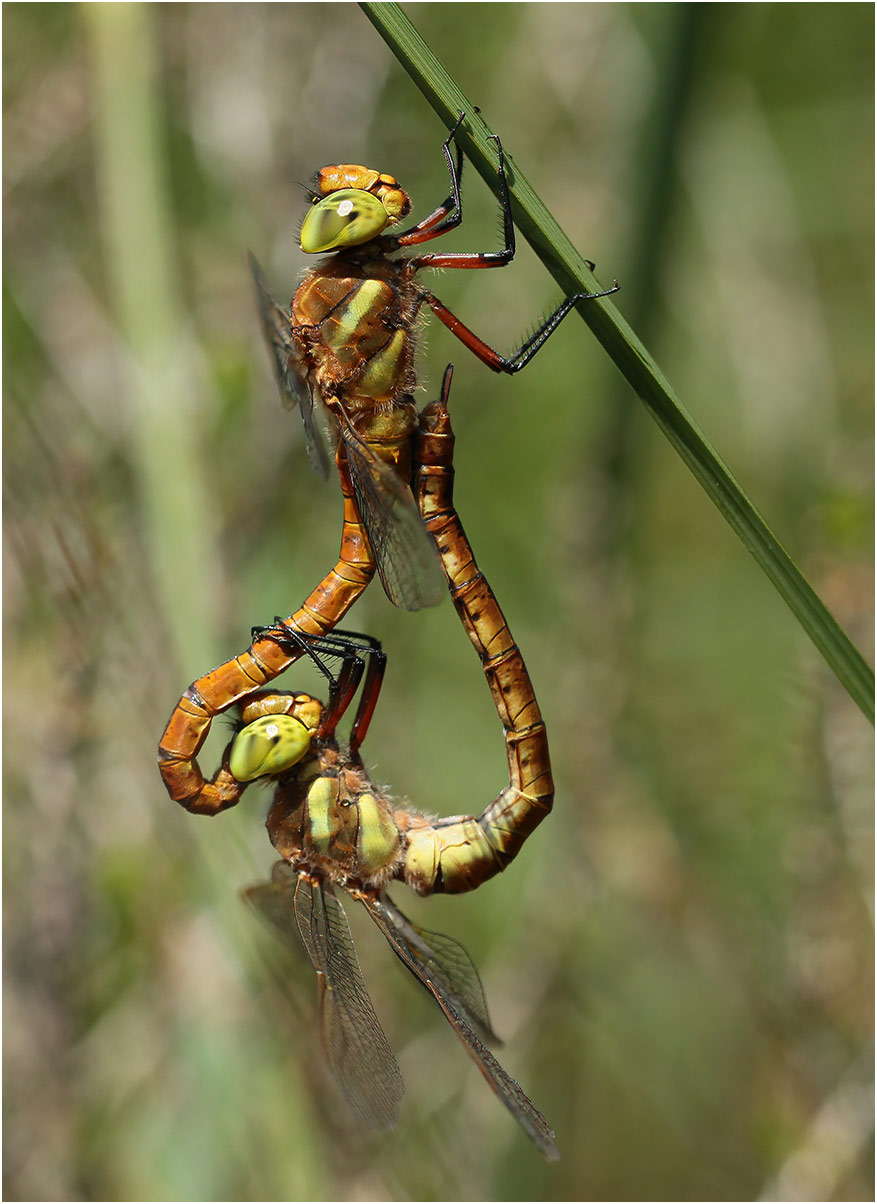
(465,259)
(368,699)
(518,359)
(352,647)
(449,214)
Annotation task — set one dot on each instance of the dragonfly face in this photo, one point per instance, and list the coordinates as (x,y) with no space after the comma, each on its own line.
(355,205)
(277,733)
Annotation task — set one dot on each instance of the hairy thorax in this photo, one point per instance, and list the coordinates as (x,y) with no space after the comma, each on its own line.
(353,320)
(329,817)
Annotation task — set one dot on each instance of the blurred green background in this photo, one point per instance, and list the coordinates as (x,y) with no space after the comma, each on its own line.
(681,958)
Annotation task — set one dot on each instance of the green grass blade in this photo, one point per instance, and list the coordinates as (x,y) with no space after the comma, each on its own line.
(166,442)
(571,272)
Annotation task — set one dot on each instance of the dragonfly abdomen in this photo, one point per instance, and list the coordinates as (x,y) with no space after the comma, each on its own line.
(264,660)
(456,855)
(459,854)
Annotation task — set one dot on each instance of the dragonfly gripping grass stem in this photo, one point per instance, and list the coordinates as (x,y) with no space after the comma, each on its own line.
(344,353)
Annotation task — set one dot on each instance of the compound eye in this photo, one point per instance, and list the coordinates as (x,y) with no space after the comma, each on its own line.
(342,219)
(267,746)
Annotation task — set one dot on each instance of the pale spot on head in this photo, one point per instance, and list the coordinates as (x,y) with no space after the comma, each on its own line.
(271,730)
(345,208)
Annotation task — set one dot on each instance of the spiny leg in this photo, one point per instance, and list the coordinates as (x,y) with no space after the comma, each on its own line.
(466,259)
(522,356)
(359,653)
(474,260)
(449,213)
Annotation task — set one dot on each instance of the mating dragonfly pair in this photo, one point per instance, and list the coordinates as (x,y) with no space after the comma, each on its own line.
(344,355)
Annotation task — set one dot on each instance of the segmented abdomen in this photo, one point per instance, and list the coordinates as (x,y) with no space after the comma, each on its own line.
(459,854)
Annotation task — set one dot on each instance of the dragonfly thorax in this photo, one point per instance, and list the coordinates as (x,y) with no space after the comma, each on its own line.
(353,324)
(328,816)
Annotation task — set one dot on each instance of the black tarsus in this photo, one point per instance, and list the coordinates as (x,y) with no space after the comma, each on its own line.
(359,653)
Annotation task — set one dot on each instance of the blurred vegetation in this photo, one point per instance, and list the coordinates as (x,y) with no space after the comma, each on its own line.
(681,959)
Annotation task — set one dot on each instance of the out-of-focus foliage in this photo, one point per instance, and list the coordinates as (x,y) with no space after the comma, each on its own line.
(680,959)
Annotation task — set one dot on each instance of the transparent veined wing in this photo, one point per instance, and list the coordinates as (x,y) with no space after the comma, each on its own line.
(356,1047)
(444,961)
(522,1108)
(274,900)
(407,561)
(321,432)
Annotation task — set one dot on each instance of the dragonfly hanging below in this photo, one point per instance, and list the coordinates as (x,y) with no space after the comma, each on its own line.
(334,828)
(344,353)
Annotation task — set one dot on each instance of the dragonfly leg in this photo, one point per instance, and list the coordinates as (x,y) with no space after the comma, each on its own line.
(344,684)
(449,213)
(459,854)
(238,678)
(467,259)
(518,359)
(486,259)
(471,259)
(368,698)
(359,653)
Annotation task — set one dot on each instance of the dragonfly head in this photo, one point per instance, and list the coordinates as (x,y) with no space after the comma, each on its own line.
(352,205)
(278,739)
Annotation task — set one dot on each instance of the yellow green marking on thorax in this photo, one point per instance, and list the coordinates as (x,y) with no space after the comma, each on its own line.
(378,834)
(324,814)
(356,334)
(382,373)
(362,307)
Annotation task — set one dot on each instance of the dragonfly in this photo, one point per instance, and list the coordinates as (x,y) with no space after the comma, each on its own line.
(453,855)
(338,832)
(335,829)
(344,352)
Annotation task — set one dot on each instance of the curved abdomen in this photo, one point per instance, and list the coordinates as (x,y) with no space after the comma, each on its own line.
(459,854)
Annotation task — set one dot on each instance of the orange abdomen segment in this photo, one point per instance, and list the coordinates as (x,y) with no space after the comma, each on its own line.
(456,855)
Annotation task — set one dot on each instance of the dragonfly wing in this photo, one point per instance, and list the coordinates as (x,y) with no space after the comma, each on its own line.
(274,900)
(321,432)
(444,961)
(522,1108)
(358,1052)
(406,557)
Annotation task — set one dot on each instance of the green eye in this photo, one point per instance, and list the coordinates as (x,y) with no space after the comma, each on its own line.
(268,745)
(342,219)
